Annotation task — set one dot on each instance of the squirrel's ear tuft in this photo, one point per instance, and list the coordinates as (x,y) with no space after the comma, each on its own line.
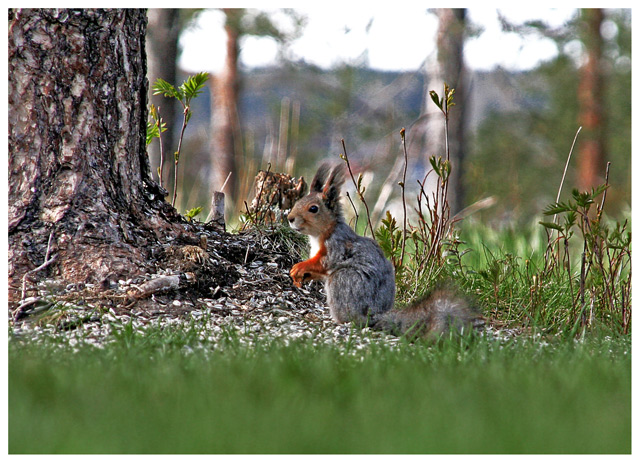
(318,182)
(328,181)
(331,188)
(336,179)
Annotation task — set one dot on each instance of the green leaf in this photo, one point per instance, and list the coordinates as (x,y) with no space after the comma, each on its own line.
(152,132)
(597,191)
(163,87)
(552,225)
(583,199)
(193,86)
(558,208)
(449,95)
(192,213)
(435,163)
(446,170)
(435,98)
(570,220)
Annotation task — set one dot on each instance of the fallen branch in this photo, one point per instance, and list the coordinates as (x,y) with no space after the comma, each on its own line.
(156,285)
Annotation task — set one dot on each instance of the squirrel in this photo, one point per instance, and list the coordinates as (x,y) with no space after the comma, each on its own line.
(359,279)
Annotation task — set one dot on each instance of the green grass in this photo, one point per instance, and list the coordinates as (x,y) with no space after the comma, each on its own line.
(565,388)
(159,392)
(504,271)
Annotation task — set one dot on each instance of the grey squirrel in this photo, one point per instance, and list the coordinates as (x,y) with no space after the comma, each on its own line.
(359,280)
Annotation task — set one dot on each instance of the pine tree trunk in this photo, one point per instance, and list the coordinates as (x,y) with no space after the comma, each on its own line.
(78,168)
(224,107)
(591,154)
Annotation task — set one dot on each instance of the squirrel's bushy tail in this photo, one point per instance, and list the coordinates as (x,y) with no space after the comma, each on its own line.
(441,312)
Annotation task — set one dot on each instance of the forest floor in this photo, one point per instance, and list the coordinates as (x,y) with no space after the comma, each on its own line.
(225,282)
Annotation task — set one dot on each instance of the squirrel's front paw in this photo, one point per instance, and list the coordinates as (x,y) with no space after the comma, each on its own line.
(299,274)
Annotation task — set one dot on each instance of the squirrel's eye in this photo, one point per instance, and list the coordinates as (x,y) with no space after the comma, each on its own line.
(313,209)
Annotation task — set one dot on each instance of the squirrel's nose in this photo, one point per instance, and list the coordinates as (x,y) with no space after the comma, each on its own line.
(291,218)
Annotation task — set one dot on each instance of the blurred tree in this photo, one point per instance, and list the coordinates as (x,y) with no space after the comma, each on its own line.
(529,145)
(226,140)
(448,68)
(224,107)
(82,205)
(162,54)
(591,92)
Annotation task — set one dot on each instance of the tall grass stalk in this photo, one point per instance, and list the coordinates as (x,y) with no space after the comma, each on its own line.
(360,189)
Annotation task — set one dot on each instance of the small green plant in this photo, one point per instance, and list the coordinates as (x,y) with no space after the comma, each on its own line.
(495,274)
(193,213)
(390,238)
(420,251)
(188,90)
(155,127)
(604,277)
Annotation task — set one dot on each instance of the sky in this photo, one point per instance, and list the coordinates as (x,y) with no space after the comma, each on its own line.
(391,38)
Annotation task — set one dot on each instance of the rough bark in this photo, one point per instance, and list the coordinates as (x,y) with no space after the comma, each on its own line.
(162,53)
(591,154)
(78,169)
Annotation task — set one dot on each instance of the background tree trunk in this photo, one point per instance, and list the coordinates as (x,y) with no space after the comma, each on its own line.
(591,154)
(224,110)
(448,68)
(162,53)
(78,168)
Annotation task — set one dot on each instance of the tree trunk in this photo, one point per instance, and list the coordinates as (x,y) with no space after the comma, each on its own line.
(162,53)
(78,168)
(591,154)
(449,69)
(224,110)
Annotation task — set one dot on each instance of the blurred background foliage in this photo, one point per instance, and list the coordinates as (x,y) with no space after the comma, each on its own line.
(518,130)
